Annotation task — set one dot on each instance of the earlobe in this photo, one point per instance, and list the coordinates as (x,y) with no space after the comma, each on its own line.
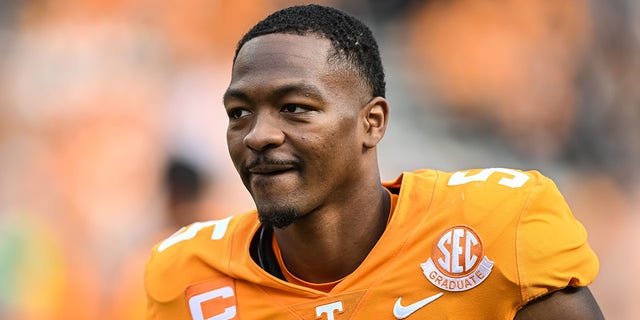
(376,117)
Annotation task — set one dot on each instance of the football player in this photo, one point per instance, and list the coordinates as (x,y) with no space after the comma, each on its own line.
(328,240)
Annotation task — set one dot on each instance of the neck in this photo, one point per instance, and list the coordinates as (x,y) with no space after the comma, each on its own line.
(331,243)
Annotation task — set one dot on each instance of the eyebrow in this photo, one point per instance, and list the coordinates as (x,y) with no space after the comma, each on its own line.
(234,94)
(305,89)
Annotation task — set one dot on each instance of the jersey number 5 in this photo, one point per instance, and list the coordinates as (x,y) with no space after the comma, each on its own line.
(186,233)
(517,180)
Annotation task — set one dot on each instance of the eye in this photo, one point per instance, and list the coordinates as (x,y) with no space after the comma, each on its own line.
(295,108)
(238,113)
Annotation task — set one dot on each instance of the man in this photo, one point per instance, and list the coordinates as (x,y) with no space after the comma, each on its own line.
(306,110)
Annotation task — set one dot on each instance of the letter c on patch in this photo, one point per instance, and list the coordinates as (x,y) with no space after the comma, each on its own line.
(195,304)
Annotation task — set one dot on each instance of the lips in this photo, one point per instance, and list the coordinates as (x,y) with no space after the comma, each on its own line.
(269,169)
(271,166)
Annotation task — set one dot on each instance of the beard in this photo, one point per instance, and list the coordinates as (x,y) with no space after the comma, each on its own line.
(277,218)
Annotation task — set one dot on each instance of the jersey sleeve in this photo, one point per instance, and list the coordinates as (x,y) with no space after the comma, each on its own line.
(552,249)
(194,254)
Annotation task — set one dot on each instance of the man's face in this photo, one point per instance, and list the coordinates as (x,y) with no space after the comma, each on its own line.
(295,125)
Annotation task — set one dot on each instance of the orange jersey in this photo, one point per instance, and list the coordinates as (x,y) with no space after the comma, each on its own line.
(473,245)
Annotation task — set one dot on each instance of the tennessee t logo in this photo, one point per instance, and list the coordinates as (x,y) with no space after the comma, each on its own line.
(328,309)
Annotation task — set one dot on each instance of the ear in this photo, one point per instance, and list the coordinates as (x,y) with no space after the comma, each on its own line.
(376,115)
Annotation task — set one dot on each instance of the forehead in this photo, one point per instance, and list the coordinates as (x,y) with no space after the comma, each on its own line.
(285,45)
(282,55)
(274,62)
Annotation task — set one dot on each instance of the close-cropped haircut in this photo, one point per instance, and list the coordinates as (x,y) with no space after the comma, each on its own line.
(350,38)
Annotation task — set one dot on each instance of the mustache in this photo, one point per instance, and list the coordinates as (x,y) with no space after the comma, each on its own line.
(268,161)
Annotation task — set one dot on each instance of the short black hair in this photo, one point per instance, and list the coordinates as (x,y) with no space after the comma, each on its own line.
(351,39)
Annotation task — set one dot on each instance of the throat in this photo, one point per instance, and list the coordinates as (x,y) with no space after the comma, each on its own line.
(329,248)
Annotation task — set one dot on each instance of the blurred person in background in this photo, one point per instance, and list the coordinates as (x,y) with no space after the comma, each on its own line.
(184,187)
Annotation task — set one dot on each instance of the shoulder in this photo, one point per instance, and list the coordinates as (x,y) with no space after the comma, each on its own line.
(521,217)
(494,179)
(550,244)
(200,250)
(476,195)
(508,177)
(495,186)
(525,200)
(485,185)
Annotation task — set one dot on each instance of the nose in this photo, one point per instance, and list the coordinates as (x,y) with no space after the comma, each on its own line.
(264,134)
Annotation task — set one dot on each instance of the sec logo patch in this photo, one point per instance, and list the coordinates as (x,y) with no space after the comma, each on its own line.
(457,262)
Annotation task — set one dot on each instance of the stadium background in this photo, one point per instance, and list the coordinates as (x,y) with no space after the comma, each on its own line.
(112,131)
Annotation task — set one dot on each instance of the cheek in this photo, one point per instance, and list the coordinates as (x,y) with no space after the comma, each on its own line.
(346,135)
(235,146)
(339,145)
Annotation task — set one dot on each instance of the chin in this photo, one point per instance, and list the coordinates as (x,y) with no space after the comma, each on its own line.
(277,217)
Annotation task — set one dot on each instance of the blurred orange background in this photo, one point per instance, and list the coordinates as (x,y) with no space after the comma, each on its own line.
(112,129)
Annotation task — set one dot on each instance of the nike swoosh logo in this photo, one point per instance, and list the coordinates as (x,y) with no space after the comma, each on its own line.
(401,312)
